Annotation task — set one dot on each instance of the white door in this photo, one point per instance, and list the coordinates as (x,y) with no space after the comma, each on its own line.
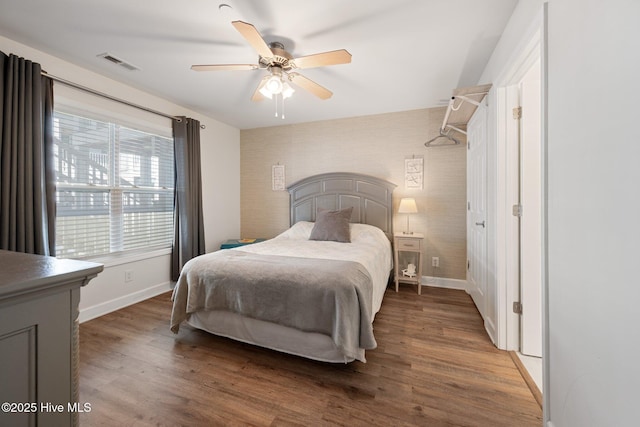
(477,209)
(531,219)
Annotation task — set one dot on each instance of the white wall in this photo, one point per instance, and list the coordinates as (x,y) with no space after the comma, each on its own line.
(220,149)
(593,225)
(521,25)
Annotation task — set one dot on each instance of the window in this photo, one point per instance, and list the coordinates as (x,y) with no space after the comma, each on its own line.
(114,187)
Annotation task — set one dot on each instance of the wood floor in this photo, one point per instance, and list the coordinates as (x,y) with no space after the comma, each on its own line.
(434,366)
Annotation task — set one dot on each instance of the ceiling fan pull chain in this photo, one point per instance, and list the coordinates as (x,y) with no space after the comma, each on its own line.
(283,108)
(276,101)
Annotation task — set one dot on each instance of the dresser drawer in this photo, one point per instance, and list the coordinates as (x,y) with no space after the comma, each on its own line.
(408,244)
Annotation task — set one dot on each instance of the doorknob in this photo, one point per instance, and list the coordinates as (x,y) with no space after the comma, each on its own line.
(480,223)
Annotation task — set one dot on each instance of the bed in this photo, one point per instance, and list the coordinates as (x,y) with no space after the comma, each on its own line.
(313,290)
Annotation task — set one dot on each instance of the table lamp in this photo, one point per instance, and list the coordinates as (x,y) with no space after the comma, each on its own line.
(408,206)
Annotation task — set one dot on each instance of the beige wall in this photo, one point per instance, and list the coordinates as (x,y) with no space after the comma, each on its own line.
(374,145)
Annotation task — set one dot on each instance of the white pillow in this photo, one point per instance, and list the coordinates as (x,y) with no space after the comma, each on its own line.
(301,230)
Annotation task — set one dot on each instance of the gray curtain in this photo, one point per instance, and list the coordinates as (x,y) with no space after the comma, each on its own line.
(27,188)
(188,241)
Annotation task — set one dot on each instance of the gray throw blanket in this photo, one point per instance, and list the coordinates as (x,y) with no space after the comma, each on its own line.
(313,295)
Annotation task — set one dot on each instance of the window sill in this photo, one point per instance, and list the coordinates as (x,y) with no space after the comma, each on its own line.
(127,258)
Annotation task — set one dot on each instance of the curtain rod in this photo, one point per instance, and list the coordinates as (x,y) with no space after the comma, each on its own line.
(112,98)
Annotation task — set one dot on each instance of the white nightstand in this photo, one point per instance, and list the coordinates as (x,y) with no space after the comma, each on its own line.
(407,249)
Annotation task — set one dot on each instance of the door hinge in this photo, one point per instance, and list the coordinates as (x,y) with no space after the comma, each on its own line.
(468,145)
(468,206)
(517,113)
(468,265)
(517,210)
(517,307)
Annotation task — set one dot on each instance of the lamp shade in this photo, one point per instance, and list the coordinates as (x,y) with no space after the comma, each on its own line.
(408,205)
(287,90)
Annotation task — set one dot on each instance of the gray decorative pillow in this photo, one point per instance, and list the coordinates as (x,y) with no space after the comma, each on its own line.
(332,225)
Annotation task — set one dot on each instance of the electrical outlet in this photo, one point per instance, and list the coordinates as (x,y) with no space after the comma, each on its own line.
(435,261)
(128,275)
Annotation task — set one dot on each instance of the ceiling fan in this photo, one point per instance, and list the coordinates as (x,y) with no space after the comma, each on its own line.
(281,65)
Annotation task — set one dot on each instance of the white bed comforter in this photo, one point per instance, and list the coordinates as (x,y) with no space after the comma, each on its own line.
(369,246)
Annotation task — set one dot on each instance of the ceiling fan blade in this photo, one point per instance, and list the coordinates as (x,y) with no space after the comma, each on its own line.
(224,67)
(310,85)
(334,57)
(254,38)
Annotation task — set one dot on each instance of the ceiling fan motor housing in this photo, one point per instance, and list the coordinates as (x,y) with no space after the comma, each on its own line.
(280,57)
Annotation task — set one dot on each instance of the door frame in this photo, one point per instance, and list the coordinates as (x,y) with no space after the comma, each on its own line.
(530,227)
(507,187)
(533,45)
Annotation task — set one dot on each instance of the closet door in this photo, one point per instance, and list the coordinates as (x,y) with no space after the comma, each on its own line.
(477,210)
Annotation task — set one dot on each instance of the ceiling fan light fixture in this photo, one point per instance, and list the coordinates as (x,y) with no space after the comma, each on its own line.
(287,90)
(274,85)
(265,92)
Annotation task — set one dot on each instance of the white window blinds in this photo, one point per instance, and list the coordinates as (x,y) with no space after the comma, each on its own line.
(114,187)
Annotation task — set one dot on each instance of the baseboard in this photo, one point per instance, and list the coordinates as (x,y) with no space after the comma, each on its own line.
(122,302)
(443,282)
(535,391)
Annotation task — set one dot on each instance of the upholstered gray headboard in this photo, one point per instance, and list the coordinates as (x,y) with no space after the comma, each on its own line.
(370,198)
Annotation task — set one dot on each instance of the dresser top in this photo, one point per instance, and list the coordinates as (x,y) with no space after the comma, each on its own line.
(25,273)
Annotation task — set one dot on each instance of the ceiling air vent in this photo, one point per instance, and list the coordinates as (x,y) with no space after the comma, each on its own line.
(121,62)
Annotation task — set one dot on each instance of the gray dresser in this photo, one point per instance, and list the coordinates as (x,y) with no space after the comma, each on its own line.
(39,298)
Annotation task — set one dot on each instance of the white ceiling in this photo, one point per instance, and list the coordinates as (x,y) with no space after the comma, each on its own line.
(407,54)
